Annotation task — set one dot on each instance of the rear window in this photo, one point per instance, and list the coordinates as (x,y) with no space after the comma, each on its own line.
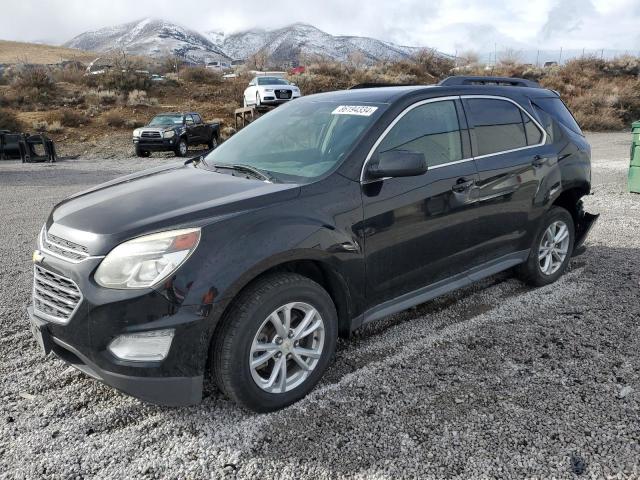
(498,125)
(555,107)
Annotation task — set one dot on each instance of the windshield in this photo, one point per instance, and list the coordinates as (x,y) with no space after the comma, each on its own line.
(166,120)
(298,141)
(272,81)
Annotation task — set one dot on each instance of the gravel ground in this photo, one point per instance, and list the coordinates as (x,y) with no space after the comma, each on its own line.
(496,380)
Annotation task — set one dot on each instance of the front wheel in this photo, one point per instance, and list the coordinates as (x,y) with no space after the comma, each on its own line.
(142,153)
(182,148)
(551,250)
(275,343)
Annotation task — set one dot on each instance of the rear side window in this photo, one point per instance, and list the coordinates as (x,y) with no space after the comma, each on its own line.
(555,107)
(499,126)
(432,129)
(196,118)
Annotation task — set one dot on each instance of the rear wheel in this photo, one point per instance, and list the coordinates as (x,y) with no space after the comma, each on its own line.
(213,142)
(551,250)
(182,148)
(275,343)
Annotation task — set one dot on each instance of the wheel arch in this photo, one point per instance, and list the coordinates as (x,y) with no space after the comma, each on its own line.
(569,199)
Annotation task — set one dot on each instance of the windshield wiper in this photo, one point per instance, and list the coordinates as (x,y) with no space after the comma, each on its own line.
(253,171)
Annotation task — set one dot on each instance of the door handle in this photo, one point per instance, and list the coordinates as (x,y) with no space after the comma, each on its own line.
(538,161)
(462,184)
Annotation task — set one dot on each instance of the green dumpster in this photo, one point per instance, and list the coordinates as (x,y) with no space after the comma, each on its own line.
(634,168)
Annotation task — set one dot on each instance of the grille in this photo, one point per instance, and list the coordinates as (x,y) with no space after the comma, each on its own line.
(55,297)
(283,93)
(64,248)
(151,135)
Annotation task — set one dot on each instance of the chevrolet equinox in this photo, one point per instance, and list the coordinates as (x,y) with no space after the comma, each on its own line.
(323,215)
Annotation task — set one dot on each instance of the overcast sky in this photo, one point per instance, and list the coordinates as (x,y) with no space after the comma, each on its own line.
(447,25)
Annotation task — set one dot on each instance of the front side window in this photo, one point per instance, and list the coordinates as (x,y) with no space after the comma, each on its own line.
(432,129)
(498,125)
(299,141)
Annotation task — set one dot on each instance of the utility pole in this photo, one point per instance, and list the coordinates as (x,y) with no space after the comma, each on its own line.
(560,58)
(538,59)
(495,53)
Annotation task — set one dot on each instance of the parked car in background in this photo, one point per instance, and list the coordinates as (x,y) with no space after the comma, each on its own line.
(328,213)
(175,132)
(269,91)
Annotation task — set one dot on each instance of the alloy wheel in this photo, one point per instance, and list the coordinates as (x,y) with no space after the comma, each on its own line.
(553,248)
(287,347)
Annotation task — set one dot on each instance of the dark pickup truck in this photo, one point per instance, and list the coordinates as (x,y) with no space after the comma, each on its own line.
(175,132)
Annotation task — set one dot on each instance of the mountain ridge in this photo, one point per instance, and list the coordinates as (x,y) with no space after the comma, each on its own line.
(285,45)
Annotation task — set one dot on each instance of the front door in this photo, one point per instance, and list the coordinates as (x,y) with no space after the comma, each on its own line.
(418,230)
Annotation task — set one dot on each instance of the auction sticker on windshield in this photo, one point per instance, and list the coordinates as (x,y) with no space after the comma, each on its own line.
(362,110)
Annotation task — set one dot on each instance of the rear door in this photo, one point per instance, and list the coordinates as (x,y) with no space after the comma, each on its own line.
(200,128)
(512,159)
(419,230)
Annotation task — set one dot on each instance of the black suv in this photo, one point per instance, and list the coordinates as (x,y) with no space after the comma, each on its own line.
(321,216)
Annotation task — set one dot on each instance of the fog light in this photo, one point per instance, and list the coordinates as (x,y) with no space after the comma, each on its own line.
(143,346)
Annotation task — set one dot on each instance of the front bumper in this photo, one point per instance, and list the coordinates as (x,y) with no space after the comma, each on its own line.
(159,145)
(168,391)
(104,314)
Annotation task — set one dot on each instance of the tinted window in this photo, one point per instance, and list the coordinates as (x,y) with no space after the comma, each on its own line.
(531,130)
(555,107)
(432,129)
(188,119)
(197,119)
(498,125)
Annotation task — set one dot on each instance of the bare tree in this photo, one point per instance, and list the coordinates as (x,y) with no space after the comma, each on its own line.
(510,58)
(259,59)
(468,58)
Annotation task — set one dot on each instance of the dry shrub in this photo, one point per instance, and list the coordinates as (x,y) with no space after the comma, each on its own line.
(138,98)
(201,75)
(70,74)
(48,127)
(134,123)
(9,121)
(69,118)
(38,78)
(115,119)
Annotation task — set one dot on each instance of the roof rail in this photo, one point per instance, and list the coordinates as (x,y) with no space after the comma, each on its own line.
(376,85)
(481,80)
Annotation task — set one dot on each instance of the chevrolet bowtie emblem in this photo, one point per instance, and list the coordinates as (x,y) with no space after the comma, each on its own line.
(37,257)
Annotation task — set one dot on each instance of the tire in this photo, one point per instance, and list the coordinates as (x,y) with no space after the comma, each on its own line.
(246,323)
(142,153)
(533,271)
(213,142)
(258,104)
(182,148)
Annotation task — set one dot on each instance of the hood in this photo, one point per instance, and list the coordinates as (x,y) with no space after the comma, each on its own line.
(166,197)
(160,128)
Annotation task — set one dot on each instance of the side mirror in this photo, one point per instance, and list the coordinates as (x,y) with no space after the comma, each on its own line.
(397,163)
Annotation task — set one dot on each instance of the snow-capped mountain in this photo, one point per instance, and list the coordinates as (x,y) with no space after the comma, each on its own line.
(300,40)
(151,37)
(294,43)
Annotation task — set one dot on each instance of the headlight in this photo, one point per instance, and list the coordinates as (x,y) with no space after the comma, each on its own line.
(268,89)
(146,261)
(296,90)
(169,134)
(137,132)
